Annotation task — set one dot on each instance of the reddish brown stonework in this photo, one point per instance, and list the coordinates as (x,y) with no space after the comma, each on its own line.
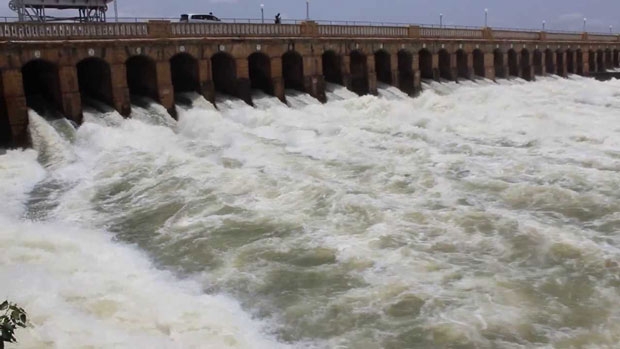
(219,61)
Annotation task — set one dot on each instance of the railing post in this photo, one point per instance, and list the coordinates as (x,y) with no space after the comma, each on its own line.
(542,36)
(159,29)
(414,31)
(584,36)
(309,28)
(487,33)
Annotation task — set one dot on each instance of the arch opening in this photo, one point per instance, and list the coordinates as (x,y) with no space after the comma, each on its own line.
(142,77)
(592,61)
(293,71)
(332,67)
(95,80)
(425,64)
(559,62)
(41,85)
(461,64)
(600,61)
(383,66)
(405,71)
(498,63)
(538,63)
(549,64)
(525,65)
(260,72)
(579,62)
(479,63)
(224,73)
(616,58)
(445,72)
(6,137)
(608,59)
(359,73)
(513,64)
(185,74)
(570,62)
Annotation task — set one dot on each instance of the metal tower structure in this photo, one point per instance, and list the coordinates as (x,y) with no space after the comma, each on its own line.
(35,10)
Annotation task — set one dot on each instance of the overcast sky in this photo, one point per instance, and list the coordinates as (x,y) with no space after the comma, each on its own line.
(558,14)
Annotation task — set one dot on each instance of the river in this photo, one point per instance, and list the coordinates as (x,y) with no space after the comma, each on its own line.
(476,215)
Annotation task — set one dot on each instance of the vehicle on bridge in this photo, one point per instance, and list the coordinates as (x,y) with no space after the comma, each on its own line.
(198,18)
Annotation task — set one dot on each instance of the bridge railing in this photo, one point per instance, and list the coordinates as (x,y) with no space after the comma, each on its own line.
(233,29)
(42,31)
(163,28)
(362,31)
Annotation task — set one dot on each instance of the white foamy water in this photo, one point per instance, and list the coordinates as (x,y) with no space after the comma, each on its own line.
(474,216)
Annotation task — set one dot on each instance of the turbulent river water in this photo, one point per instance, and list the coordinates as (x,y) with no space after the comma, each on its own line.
(476,215)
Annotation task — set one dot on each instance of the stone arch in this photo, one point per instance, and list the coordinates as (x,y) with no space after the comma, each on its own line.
(184,72)
(479,63)
(425,64)
(462,67)
(260,72)
(600,61)
(224,73)
(405,71)
(332,67)
(559,62)
(142,77)
(445,70)
(383,66)
(570,61)
(525,65)
(513,63)
(579,62)
(359,73)
(616,58)
(538,62)
(41,84)
(95,80)
(549,64)
(592,61)
(498,63)
(293,71)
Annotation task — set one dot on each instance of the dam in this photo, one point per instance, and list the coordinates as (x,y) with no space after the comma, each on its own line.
(64,63)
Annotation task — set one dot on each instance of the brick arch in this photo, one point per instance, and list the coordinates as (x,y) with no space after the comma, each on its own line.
(570,61)
(549,64)
(600,60)
(616,58)
(184,73)
(608,58)
(359,72)
(560,62)
(579,62)
(383,66)
(142,76)
(41,82)
(95,80)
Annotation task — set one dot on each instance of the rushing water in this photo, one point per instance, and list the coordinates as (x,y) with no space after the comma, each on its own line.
(477,215)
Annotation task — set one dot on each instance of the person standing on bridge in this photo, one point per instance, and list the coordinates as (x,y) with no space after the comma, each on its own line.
(278,20)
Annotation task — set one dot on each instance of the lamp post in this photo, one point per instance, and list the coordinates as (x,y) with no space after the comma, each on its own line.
(116,11)
(440,20)
(486,17)
(262,13)
(307,9)
(544,22)
(584,24)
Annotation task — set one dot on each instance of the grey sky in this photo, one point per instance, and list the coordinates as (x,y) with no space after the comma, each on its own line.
(559,14)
